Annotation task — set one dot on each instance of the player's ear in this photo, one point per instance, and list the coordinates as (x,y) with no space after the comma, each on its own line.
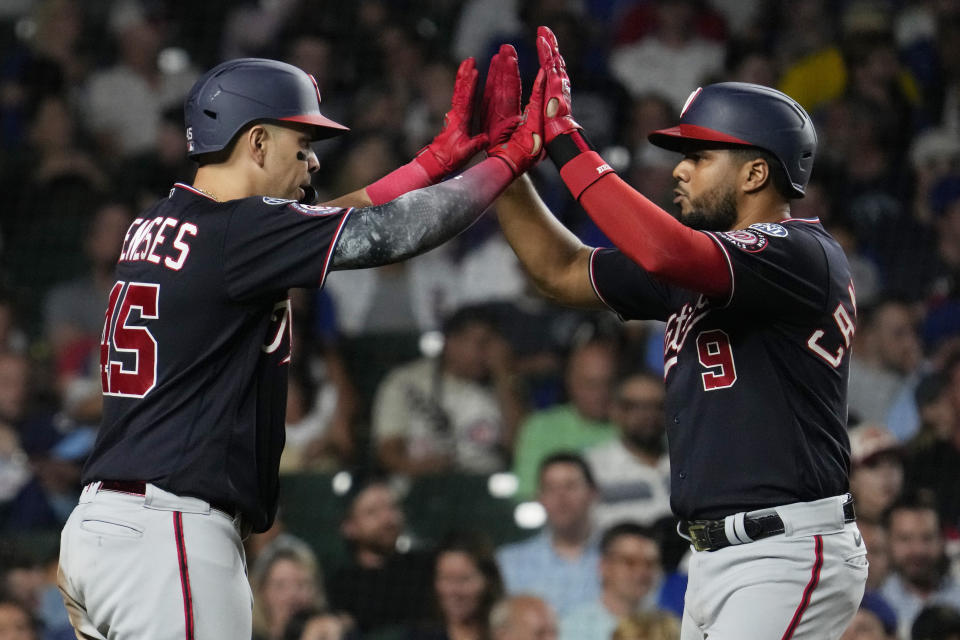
(256,139)
(755,174)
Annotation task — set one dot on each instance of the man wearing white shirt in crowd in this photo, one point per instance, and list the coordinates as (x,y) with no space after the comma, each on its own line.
(633,471)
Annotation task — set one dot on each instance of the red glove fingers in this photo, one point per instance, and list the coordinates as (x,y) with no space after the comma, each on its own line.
(559,111)
(500,107)
(524,149)
(448,152)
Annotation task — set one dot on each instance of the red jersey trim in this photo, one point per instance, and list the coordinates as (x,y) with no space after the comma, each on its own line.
(333,244)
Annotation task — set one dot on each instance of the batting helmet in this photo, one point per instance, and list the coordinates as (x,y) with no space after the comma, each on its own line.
(739,113)
(237,92)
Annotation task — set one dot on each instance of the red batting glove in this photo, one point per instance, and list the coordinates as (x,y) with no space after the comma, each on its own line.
(558,116)
(524,148)
(454,146)
(500,107)
(448,152)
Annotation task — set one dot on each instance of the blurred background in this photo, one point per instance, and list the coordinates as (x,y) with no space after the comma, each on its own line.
(425,396)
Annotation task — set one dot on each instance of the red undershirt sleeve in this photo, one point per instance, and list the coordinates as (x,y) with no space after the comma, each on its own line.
(655,240)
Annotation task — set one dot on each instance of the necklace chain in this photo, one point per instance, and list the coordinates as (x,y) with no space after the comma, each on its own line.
(207,193)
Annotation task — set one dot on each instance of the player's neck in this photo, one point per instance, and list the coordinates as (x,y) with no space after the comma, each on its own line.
(223,182)
(763,206)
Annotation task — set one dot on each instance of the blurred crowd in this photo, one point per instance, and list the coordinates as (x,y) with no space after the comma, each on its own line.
(450,364)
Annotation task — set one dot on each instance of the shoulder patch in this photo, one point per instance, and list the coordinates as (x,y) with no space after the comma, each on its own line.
(273,201)
(771,229)
(313,209)
(744,239)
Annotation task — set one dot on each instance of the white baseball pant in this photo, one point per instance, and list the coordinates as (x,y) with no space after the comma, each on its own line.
(153,567)
(804,584)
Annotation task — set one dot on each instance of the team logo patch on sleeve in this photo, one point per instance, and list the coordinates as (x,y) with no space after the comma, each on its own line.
(746,240)
(771,229)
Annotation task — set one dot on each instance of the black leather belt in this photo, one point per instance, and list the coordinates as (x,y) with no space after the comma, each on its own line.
(710,535)
(139,488)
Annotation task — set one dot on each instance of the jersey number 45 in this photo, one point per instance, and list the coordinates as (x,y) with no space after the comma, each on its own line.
(136,373)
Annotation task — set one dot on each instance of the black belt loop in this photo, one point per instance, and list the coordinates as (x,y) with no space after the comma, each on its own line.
(710,535)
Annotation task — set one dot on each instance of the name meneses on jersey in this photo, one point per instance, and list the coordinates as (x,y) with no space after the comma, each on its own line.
(161,240)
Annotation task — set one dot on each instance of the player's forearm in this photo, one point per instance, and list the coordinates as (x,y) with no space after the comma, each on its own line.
(551,254)
(419,220)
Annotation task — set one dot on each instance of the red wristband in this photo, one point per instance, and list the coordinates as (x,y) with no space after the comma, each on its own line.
(396,183)
(583,171)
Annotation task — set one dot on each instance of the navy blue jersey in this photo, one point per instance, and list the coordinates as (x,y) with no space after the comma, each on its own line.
(196,345)
(756,384)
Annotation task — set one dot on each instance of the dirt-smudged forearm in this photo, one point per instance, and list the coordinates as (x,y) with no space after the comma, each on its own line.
(419,220)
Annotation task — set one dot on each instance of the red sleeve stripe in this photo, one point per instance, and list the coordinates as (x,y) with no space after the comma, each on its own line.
(333,245)
(808,591)
(184,575)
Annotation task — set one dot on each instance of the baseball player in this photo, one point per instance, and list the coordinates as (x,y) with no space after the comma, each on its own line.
(196,338)
(759,311)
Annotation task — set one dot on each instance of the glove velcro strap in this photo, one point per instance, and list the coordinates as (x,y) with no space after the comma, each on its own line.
(582,171)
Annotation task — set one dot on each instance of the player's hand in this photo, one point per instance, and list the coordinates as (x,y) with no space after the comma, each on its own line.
(558,112)
(453,146)
(524,148)
(500,107)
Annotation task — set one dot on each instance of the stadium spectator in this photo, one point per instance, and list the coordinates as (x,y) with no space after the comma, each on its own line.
(466,585)
(523,617)
(648,625)
(876,470)
(885,361)
(874,620)
(17,622)
(575,425)
(457,411)
(380,586)
(319,624)
(937,622)
(561,563)
(630,575)
(319,418)
(123,103)
(73,313)
(933,460)
(633,471)
(285,578)
(670,59)
(878,553)
(920,575)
